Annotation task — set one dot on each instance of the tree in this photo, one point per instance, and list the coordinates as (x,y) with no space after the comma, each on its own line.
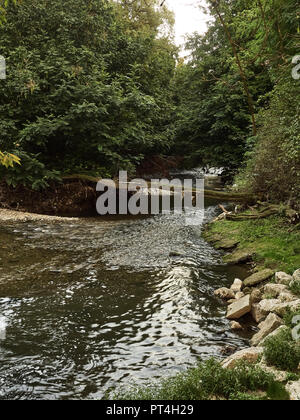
(87,87)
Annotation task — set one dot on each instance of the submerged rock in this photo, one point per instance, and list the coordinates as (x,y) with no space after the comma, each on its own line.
(238,257)
(224,293)
(236,326)
(258,278)
(226,244)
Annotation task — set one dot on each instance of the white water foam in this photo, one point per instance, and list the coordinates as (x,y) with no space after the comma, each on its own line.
(3,325)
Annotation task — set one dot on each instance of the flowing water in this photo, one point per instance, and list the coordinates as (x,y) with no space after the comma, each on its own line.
(90,305)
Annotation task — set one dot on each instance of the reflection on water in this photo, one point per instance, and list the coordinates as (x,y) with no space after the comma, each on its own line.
(91,305)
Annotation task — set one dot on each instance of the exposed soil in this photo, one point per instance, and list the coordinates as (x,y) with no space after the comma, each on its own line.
(71,198)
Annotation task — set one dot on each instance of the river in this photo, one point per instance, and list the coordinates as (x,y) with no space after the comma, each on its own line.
(100,303)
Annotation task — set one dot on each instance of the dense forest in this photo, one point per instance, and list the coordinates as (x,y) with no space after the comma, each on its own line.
(97,86)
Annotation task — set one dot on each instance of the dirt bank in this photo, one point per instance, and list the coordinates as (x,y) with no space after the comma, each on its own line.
(71,198)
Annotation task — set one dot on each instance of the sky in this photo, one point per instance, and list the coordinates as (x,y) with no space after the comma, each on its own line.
(189,18)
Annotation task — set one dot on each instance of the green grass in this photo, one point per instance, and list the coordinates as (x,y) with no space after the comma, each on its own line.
(210,381)
(275,242)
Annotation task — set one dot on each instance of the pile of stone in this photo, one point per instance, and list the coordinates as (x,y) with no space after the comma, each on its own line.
(250,296)
(267,303)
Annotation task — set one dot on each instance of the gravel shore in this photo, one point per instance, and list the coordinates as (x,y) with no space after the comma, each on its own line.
(16,216)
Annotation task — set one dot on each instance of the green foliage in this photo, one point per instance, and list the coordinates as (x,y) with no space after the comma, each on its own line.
(209,380)
(282,351)
(240,71)
(289,316)
(87,84)
(32,173)
(273,167)
(8,160)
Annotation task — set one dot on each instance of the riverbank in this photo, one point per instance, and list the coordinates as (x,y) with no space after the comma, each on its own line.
(269,368)
(12,216)
(271,243)
(69,198)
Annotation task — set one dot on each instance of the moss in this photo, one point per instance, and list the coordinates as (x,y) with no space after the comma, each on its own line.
(210,381)
(272,241)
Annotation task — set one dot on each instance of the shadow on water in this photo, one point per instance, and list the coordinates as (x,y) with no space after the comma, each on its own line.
(86,306)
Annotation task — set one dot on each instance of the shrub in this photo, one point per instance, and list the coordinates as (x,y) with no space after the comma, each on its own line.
(209,380)
(282,351)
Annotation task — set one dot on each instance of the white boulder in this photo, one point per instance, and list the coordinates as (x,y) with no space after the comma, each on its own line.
(283,278)
(239,308)
(250,355)
(293,388)
(267,327)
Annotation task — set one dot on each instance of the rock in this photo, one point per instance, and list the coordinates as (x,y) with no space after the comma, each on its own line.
(283,278)
(268,305)
(274,289)
(267,327)
(257,313)
(224,293)
(283,308)
(237,286)
(235,326)
(238,257)
(287,297)
(293,388)
(296,276)
(226,244)
(274,334)
(239,295)
(231,301)
(258,277)
(256,295)
(239,308)
(247,290)
(250,355)
(175,254)
(228,350)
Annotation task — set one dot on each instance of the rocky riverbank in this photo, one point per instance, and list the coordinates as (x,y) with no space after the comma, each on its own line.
(270,296)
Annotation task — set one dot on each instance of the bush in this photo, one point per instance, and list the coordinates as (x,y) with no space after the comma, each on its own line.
(273,167)
(282,351)
(209,380)
(31,173)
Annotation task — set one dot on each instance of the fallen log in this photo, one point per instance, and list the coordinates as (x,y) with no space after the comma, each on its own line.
(225,196)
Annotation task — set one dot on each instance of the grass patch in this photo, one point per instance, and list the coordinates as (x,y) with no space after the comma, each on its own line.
(282,351)
(210,381)
(275,245)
